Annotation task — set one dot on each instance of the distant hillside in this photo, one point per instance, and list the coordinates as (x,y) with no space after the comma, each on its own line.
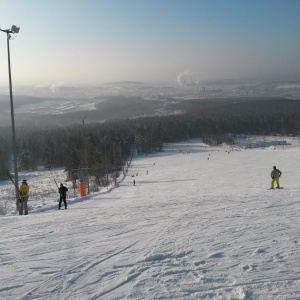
(44,112)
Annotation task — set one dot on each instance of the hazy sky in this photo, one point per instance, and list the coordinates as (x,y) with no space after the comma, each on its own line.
(95,41)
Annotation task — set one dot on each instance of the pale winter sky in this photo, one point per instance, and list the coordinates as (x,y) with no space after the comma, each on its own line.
(95,41)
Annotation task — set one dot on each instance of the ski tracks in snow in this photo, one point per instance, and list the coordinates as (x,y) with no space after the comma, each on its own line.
(172,236)
(65,284)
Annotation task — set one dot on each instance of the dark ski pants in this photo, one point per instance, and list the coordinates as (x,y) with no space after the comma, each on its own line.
(23,206)
(60,200)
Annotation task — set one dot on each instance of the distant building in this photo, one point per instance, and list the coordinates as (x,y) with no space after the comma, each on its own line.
(259,144)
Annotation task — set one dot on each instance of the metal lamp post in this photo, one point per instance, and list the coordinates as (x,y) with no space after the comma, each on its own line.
(105,159)
(85,158)
(14,29)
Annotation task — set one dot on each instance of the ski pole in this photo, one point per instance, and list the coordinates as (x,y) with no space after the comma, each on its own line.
(17,202)
(53,178)
(11,179)
(8,174)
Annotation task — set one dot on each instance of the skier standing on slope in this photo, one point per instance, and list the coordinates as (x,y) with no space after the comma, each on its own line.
(275,174)
(23,193)
(62,195)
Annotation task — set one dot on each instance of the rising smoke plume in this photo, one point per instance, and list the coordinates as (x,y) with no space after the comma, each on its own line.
(185,78)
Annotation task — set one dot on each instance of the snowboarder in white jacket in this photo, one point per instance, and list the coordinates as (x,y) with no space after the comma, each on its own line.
(275,174)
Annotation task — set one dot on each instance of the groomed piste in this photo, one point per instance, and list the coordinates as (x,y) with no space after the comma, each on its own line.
(200,223)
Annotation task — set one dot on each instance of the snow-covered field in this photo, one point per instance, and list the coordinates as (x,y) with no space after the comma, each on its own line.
(43,190)
(201,224)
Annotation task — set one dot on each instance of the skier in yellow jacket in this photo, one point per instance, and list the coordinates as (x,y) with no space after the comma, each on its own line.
(23,193)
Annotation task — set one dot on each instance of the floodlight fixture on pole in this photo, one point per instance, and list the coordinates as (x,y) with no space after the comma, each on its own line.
(14,29)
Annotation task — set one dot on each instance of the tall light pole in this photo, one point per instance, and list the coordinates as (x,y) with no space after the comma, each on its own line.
(14,29)
(85,157)
(84,143)
(106,171)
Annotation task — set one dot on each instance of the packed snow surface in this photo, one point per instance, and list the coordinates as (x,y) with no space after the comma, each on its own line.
(200,223)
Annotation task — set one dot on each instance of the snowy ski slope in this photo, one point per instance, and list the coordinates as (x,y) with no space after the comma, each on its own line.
(201,225)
